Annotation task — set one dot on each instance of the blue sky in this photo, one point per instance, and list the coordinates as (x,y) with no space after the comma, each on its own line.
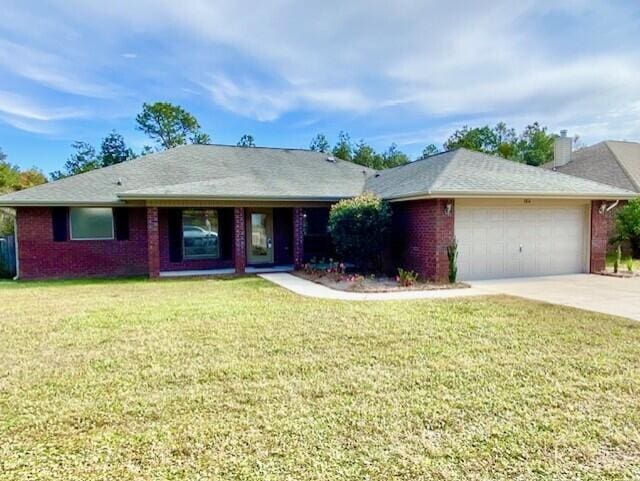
(406,71)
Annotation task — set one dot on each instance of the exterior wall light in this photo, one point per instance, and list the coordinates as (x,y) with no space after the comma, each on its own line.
(603,208)
(448,209)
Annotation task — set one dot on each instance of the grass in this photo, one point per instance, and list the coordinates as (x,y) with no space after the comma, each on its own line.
(611,258)
(239,379)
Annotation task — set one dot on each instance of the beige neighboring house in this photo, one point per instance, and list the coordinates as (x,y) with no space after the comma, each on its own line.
(612,162)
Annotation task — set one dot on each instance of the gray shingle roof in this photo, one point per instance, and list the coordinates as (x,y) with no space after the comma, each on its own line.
(210,171)
(225,172)
(611,162)
(463,172)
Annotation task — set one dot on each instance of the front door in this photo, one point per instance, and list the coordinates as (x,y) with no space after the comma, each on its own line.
(259,236)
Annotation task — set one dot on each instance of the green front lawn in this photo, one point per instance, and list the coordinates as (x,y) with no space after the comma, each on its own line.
(239,379)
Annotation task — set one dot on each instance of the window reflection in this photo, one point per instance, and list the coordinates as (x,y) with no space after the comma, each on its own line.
(200,234)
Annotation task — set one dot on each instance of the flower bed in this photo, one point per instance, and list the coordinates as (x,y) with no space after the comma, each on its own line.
(340,276)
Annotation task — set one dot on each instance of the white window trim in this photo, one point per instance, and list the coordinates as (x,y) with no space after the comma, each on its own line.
(71,237)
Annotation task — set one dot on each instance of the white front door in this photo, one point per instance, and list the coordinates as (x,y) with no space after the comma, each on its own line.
(520,241)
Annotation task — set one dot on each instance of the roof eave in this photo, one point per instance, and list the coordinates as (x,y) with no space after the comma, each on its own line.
(514,195)
(172,197)
(59,203)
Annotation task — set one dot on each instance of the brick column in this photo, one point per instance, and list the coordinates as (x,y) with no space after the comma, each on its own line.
(444,237)
(426,231)
(599,238)
(153,242)
(239,240)
(298,237)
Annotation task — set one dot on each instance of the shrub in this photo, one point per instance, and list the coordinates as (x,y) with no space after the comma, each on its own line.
(628,226)
(359,229)
(630,264)
(406,278)
(452,256)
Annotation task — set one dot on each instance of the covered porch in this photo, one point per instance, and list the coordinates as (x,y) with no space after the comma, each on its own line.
(191,240)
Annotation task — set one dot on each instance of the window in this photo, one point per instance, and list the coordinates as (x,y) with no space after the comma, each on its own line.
(200,234)
(91,223)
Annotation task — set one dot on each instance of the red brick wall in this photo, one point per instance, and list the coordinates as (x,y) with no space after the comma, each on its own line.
(298,237)
(599,237)
(240,244)
(153,239)
(421,234)
(40,257)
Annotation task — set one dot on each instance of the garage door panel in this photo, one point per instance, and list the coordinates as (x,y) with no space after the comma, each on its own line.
(510,241)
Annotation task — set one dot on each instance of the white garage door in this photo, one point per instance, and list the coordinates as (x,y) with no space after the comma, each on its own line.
(497,242)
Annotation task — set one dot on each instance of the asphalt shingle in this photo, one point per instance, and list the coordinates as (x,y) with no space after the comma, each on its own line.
(226,172)
(464,172)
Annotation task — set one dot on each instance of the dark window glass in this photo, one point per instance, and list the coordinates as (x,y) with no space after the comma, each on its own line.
(91,223)
(200,234)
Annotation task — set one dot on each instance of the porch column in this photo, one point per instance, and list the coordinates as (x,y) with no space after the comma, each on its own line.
(153,242)
(239,240)
(298,237)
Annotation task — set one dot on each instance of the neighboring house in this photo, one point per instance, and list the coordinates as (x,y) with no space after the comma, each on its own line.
(217,208)
(611,162)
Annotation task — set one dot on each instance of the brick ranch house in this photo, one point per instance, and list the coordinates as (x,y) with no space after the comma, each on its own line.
(212,209)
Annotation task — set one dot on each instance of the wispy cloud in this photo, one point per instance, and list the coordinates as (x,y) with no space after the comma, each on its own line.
(25,115)
(50,70)
(268,103)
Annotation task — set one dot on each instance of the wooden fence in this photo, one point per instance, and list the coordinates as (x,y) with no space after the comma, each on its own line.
(7,256)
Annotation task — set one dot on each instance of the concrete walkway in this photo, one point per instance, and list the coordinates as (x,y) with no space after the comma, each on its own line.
(311,289)
(608,295)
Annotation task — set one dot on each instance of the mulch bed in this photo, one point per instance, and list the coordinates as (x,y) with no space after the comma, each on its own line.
(623,274)
(370,283)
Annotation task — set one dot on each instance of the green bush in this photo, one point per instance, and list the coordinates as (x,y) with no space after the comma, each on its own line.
(6,222)
(359,229)
(628,226)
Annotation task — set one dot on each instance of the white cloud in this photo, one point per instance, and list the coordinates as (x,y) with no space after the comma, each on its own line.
(49,70)
(24,114)
(268,103)
(557,62)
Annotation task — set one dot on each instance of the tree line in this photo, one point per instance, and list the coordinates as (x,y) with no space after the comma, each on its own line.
(168,126)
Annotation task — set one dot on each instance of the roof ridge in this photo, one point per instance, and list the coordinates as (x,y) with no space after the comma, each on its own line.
(623,141)
(214,144)
(456,153)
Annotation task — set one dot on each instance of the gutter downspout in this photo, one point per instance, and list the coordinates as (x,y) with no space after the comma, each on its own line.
(612,206)
(15,231)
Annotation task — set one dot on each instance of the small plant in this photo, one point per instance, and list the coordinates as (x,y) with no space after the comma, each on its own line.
(630,264)
(618,260)
(452,255)
(406,278)
(356,278)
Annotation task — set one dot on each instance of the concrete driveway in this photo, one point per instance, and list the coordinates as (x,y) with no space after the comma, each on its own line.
(609,295)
